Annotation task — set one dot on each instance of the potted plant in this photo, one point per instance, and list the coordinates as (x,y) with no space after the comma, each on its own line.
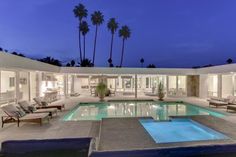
(161,93)
(101,90)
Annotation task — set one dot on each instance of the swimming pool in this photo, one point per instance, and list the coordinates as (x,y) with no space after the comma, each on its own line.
(179,130)
(157,110)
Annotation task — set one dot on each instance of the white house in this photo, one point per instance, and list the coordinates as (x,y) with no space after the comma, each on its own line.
(23,78)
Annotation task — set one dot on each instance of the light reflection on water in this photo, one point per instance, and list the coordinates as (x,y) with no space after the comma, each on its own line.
(159,111)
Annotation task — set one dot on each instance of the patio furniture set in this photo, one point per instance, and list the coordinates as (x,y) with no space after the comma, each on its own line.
(23,111)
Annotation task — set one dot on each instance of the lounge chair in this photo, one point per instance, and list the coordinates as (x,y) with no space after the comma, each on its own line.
(232,104)
(43,104)
(15,115)
(112,92)
(74,94)
(31,109)
(217,102)
(220,102)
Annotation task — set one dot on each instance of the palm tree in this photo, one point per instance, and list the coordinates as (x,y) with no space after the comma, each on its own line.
(84,29)
(124,33)
(151,66)
(112,26)
(86,63)
(72,63)
(142,61)
(80,12)
(50,60)
(97,19)
(229,61)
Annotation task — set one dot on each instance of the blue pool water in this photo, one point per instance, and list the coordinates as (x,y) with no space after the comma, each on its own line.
(157,110)
(183,130)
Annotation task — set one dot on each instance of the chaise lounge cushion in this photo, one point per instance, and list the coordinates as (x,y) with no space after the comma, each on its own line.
(218,102)
(231,99)
(40,102)
(34,116)
(47,110)
(43,104)
(27,107)
(12,110)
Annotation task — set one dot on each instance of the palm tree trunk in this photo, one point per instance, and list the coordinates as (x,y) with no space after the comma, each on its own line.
(112,37)
(95,42)
(84,47)
(80,50)
(122,53)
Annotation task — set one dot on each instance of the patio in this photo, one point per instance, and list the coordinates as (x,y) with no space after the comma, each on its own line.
(57,128)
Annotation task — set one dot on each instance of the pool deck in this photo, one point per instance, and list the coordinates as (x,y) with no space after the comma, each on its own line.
(123,133)
(128,134)
(58,129)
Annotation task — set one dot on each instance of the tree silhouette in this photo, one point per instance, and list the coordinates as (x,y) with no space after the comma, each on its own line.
(86,63)
(229,61)
(84,29)
(1,49)
(124,33)
(18,54)
(112,26)
(151,66)
(80,12)
(72,63)
(97,19)
(141,61)
(50,60)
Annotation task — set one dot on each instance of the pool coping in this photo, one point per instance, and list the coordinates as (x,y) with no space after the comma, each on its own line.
(151,100)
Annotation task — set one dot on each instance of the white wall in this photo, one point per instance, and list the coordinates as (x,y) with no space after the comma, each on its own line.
(203,86)
(227,85)
(5,81)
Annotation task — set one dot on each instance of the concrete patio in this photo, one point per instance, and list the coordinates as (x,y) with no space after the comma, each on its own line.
(61,129)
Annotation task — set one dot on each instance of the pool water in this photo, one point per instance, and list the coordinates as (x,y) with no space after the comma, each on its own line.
(183,130)
(157,110)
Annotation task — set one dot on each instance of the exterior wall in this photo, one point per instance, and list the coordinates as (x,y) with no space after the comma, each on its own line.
(9,62)
(203,86)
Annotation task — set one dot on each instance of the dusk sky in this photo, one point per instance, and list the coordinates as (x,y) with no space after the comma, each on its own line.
(167,33)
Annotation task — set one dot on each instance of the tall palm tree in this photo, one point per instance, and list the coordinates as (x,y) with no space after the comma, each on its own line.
(124,33)
(84,29)
(142,61)
(80,12)
(112,26)
(97,19)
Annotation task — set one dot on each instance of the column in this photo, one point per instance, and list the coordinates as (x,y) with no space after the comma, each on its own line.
(72,84)
(29,85)
(65,84)
(17,73)
(167,86)
(135,85)
(219,88)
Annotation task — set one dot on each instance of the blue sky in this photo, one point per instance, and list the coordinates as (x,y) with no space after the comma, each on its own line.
(167,33)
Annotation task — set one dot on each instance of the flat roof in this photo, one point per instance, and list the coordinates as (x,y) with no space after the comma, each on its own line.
(9,61)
